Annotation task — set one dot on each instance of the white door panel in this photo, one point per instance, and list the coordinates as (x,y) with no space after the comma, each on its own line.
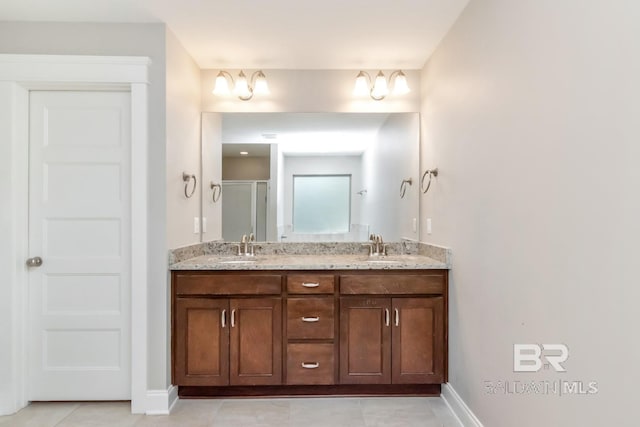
(79,223)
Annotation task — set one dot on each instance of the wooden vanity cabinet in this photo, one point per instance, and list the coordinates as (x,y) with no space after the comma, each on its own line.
(307,332)
(219,340)
(311,328)
(201,350)
(392,340)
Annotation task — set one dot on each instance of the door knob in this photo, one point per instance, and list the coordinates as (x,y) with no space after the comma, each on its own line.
(34,262)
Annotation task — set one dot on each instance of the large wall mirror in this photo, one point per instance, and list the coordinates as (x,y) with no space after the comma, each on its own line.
(310,177)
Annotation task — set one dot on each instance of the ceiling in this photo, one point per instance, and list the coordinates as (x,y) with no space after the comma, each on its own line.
(251,150)
(247,128)
(300,133)
(274,34)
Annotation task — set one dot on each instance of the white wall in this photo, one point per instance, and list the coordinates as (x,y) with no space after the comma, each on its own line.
(119,40)
(392,158)
(183,142)
(211,173)
(183,155)
(246,168)
(531,113)
(11,174)
(307,91)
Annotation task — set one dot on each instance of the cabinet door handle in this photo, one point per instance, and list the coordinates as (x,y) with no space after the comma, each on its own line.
(233,318)
(397,317)
(313,365)
(310,319)
(386,317)
(223,318)
(311,285)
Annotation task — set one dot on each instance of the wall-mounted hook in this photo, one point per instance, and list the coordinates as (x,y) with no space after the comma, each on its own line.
(431,173)
(215,187)
(186,178)
(403,186)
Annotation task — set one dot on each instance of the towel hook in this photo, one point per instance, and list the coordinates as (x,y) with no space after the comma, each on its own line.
(186,178)
(215,187)
(431,173)
(403,186)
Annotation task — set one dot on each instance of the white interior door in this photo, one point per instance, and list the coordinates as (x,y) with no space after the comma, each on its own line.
(79,224)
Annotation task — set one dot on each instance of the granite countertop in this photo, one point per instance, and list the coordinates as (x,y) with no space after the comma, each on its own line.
(215,255)
(309,262)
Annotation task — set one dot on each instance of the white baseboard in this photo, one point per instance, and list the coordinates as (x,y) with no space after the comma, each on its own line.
(466,417)
(160,402)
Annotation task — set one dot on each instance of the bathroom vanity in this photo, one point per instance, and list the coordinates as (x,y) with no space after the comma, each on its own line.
(282,324)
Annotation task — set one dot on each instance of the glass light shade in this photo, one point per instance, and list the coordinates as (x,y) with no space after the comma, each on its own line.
(361,87)
(400,86)
(242,87)
(221,86)
(380,89)
(261,87)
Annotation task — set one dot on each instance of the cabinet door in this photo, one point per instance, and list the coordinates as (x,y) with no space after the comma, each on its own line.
(365,340)
(256,341)
(202,342)
(418,340)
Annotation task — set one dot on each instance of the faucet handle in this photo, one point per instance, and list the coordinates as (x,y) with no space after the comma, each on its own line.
(384,249)
(244,239)
(252,238)
(370,246)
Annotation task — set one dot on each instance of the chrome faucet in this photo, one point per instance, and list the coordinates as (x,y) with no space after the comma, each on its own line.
(246,245)
(248,249)
(377,246)
(242,245)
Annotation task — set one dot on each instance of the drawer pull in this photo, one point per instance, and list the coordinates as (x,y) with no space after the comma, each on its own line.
(311,285)
(313,365)
(310,319)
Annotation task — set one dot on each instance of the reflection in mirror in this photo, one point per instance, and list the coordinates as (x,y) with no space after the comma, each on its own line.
(318,176)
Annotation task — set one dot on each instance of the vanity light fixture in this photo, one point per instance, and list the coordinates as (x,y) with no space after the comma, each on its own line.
(378,88)
(243,87)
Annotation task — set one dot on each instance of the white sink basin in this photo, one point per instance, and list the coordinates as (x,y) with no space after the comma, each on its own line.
(383,261)
(231,260)
(238,261)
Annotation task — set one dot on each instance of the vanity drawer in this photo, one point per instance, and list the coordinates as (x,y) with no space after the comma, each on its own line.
(228,284)
(402,284)
(310,318)
(310,364)
(310,283)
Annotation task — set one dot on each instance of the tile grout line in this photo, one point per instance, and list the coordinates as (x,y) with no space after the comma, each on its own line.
(69,414)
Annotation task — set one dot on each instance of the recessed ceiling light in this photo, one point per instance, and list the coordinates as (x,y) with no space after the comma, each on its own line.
(244,153)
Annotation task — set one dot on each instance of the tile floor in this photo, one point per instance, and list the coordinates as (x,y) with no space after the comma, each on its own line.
(305,412)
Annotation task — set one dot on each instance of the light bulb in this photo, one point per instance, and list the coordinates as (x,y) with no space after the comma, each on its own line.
(361,88)
(400,86)
(221,86)
(380,89)
(242,87)
(261,87)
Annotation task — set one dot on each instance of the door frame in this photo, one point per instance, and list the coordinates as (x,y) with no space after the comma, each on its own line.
(20,74)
